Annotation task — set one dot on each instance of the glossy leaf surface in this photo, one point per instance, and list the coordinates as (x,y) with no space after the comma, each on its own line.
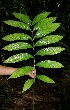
(47,29)
(17,24)
(48,40)
(40,16)
(27,84)
(44,22)
(21,72)
(49,64)
(22,17)
(17,36)
(45,78)
(18,57)
(17,46)
(50,51)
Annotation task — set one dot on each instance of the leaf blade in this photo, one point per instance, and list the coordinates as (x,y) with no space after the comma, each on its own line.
(50,51)
(27,84)
(18,57)
(21,72)
(45,78)
(22,17)
(40,16)
(47,29)
(17,46)
(48,40)
(17,36)
(44,22)
(49,64)
(17,24)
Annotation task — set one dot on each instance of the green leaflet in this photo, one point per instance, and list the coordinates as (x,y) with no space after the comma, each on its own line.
(27,84)
(22,17)
(48,40)
(50,51)
(49,64)
(17,24)
(17,36)
(21,72)
(40,16)
(17,46)
(44,22)
(45,78)
(18,57)
(47,29)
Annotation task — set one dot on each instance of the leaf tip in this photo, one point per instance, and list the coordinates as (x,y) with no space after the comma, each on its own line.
(23,91)
(53,82)
(13,12)
(8,78)
(4,21)
(2,48)
(5,61)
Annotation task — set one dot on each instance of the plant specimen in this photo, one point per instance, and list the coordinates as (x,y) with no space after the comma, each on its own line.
(40,28)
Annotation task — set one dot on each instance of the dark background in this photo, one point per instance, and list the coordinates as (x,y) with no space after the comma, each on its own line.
(48,96)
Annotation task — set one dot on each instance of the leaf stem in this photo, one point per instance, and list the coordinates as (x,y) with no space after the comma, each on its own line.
(34,68)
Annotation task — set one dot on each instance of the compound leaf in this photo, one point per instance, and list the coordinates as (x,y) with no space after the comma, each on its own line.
(27,84)
(22,17)
(50,51)
(48,40)
(17,36)
(21,72)
(44,26)
(17,24)
(17,46)
(45,78)
(18,57)
(49,64)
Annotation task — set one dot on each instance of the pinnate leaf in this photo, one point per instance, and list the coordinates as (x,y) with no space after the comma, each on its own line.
(27,84)
(17,36)
(45,78)
(18,57)
(49,64)
(21,72)
(17,24)
(48,40)
(50,51)
(22,17)
(17,46)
